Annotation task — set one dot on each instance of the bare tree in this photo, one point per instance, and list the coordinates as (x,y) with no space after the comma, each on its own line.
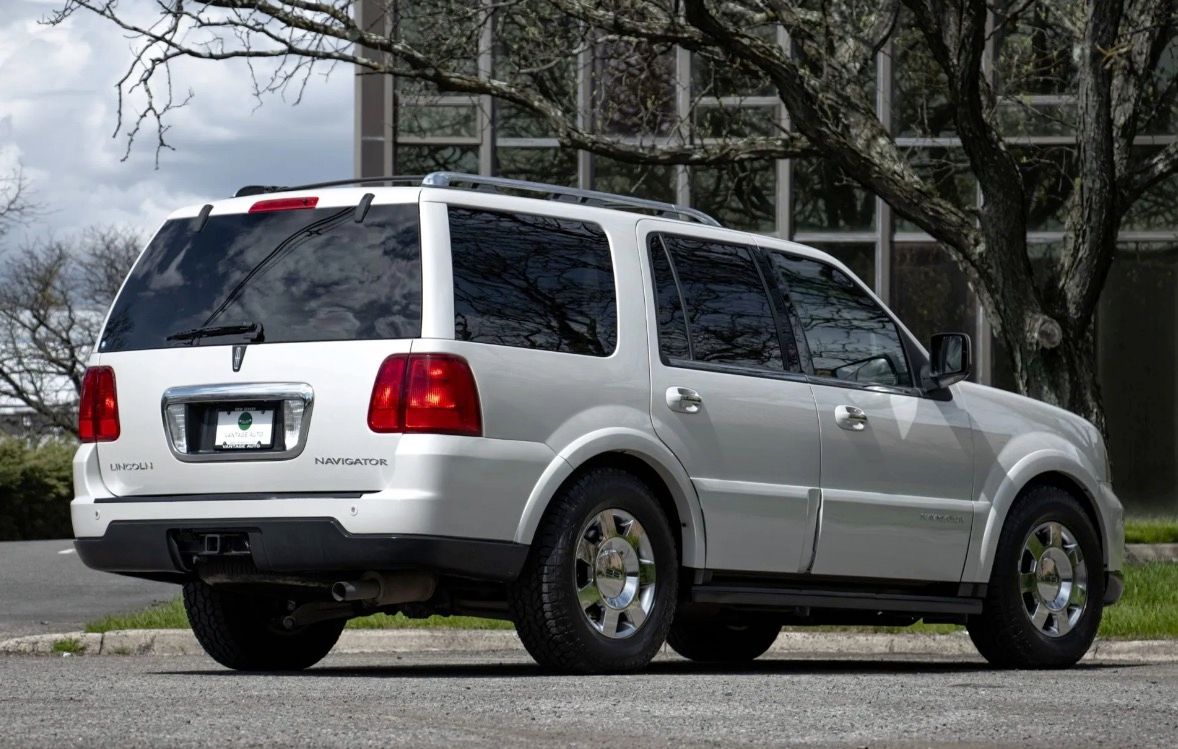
(15,206)
(53,297)
(1041,310)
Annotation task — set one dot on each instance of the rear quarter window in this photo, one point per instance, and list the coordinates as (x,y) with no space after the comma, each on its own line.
(306,275)
(529,281)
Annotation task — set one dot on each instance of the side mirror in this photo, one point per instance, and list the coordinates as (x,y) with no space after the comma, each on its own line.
(949,359)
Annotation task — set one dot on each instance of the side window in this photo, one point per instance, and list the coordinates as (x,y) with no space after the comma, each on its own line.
(850,337)
(533,282)
(722,308)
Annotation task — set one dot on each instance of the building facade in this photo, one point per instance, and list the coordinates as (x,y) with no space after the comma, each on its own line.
(402,128)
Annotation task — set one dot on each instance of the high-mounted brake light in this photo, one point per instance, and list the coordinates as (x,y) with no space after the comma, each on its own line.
(98,409)
(433,393)
(283,204)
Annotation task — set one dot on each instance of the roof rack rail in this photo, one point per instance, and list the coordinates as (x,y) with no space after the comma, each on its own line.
(456,180)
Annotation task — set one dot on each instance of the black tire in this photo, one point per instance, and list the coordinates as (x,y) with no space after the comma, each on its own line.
(722,640)
(243,631)
(1003,633)
(544,603)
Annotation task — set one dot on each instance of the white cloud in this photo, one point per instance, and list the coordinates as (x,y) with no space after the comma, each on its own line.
(58,111)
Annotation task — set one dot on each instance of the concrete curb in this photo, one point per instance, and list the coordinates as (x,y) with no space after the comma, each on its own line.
(1145,553)
(164,642)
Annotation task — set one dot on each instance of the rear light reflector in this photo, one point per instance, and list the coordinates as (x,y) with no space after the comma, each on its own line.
(283,204)
(98,409)
(434,393)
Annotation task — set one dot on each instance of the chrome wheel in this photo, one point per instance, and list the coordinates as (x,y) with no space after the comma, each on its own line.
(614,573)
(1053,579)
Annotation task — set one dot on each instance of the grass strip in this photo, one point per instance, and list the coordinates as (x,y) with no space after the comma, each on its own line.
(1157,530)
(1148,611)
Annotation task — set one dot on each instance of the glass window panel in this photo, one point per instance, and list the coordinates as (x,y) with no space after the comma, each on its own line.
(641,181)
(533,282)
(1156,208)
(920,104)
(1035,50)
(668,305)
(1159,107)
(556,166)
(436,121)
(534,44)
(858,256)
(825,199)
(712,76)
(735,121)
(947,170)
(729,315)
(929,292)
(1048,176)
(1017,117)
(850,337)
(742,195)
(634,88)
(1137,342)
(425,159)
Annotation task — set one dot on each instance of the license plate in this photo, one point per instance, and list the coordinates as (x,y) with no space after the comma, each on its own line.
(245,429)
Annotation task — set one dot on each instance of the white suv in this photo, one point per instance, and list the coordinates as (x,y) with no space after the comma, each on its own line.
(608,420)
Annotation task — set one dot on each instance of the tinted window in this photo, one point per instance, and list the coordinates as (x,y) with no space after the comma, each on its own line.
(669,306)
(850,337)
(305,275)
(533,282)
(729,316)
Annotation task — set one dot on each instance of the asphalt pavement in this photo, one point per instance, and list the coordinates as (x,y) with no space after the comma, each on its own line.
(501,699)
(44,587)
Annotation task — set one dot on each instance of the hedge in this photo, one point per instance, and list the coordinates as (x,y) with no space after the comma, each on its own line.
(36,486)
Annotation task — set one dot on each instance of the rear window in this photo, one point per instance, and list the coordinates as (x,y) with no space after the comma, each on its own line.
(535,282)
(304,275)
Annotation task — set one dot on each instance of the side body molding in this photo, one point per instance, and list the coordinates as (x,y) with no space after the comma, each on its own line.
(634,443)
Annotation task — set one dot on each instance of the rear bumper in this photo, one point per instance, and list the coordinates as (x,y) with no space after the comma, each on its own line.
(151,549)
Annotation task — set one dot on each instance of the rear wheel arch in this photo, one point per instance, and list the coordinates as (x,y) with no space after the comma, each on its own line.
(676,496)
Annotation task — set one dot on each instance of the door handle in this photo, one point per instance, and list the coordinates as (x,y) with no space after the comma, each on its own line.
(684,400)
(851,418)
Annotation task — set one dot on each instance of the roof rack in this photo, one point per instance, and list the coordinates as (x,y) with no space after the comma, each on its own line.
(456,180)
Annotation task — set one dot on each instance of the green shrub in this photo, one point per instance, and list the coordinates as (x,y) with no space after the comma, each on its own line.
(36,486)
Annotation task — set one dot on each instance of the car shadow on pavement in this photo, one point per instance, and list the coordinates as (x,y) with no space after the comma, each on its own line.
(768,666)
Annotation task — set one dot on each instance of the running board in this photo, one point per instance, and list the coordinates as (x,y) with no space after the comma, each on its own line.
(784,598)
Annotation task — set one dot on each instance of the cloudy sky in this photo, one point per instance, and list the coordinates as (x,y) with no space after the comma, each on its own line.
(58,112)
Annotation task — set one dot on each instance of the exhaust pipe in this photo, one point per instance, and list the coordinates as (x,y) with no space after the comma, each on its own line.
(358,590)
(386,589)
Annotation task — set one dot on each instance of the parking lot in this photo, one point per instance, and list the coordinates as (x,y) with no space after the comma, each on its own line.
(502,699)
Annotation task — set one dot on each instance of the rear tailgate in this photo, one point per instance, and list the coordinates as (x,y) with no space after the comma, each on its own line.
(340,453)
(245,346)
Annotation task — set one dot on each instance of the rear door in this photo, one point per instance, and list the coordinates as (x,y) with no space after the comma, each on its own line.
(897,465)
(729,399)
(299,306)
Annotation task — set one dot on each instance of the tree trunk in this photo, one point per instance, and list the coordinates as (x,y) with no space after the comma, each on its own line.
(1063,375)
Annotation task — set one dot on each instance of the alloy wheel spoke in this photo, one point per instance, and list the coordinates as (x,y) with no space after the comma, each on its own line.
(646,573)
(635,614)
(609,525)
(1055,535)
(1079,594)
(1063,623)
(609,622)
(1039,617)
(1035,545)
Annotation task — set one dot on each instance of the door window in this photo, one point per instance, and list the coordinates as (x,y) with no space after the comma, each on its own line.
(713,306)
(850,337)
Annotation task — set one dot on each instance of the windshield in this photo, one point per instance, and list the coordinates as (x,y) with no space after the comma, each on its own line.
(306,275)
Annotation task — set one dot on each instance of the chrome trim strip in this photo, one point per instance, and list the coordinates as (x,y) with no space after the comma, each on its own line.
(237,392)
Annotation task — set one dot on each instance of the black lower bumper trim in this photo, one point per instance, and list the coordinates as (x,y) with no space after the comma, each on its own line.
(148,548)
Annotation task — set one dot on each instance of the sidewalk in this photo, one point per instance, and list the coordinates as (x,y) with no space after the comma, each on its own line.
(165,642)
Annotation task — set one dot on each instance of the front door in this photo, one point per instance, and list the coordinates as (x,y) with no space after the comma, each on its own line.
(897,464)
(730,400)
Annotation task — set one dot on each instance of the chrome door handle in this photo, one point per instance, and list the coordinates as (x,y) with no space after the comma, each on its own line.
(684,400)
(850,417)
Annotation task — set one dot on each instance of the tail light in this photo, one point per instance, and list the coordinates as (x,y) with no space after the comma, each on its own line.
(433,393)
(98,410)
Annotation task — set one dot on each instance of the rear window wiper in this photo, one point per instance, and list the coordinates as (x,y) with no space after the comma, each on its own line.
(252,331)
